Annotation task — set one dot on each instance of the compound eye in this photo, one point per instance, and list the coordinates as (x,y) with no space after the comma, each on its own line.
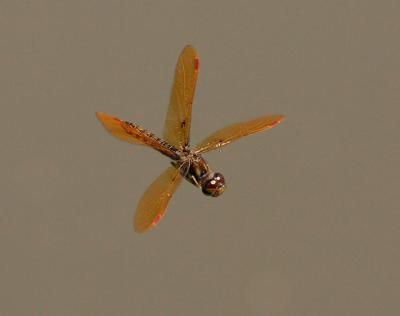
(214,186)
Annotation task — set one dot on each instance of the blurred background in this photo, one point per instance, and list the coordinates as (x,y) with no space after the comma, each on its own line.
(309,224)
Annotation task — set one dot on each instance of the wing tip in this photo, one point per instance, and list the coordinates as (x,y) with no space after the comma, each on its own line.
(279,118)
(138,226)
(141,228)
(101,116)
(106,118)
(190,48)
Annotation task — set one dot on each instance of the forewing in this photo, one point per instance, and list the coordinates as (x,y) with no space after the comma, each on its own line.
(155,200)
(178,120)
(233,132)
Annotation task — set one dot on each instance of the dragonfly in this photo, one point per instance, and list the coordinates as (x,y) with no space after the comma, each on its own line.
(186,162)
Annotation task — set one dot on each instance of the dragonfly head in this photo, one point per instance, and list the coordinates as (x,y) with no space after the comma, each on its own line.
(214,185)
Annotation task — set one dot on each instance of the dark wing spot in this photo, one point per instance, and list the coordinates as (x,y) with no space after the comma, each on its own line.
(183,124)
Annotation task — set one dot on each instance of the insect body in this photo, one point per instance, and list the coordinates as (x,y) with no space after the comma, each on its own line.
(196,170)
(186,162)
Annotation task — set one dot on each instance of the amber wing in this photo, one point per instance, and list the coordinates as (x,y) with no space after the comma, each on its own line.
(134,134)
(178,120)
(155,200)
(233,132)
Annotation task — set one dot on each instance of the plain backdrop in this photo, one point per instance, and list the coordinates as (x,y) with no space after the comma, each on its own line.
(309,224)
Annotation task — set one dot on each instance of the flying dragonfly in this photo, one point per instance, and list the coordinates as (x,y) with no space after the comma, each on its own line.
(186,162)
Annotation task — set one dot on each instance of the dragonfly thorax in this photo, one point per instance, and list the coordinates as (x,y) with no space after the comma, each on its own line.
(196,170)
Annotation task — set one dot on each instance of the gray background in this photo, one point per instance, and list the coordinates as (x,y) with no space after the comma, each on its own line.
(310,222)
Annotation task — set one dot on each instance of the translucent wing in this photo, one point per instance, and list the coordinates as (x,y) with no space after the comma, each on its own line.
(134,134)
(120,129)
(155,200)
(178,120)
(233,132)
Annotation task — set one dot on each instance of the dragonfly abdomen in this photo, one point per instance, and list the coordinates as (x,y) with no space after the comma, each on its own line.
(148,138)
